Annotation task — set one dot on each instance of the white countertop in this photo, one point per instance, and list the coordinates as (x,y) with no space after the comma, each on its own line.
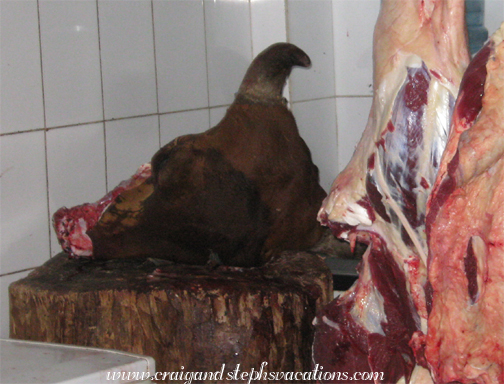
(27,362)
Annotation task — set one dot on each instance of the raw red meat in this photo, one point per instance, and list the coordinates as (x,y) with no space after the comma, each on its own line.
(465,338)
(420,53)
(72,224)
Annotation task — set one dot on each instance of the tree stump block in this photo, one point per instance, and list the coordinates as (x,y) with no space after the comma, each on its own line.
(193,317)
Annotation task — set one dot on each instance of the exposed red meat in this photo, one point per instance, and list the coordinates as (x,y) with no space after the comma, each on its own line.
(420,53)
(465,338)
(244,190)
(72,224)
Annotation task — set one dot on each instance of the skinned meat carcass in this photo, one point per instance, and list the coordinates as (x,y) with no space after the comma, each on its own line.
(465,226)
(243,191)
(420,52)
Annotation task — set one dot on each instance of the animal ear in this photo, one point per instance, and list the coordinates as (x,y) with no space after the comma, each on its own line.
(268,72)
(299,57)
(282,55)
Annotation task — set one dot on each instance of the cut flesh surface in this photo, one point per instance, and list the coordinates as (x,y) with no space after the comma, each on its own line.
(465,337)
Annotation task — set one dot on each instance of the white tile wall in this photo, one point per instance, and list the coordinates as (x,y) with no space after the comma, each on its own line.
(353,45)
(316,120)
(181,123)
(269,24)
(91,88)
(308,21)
(71,62)
(20,75)
(494,15)
(229,47)
(182,83)
(127,57)
(352,113)
(24,226)
(130,142)
(76,165)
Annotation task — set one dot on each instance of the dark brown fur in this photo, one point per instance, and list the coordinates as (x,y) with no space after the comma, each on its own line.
(245,190)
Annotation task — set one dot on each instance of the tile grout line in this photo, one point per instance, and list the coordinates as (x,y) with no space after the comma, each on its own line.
(203,6)
(48,207)
(156,72)
(287,40)
(16,272)
(114,119)
(314,99)
(336,121)
(170,113)
(251,30)
(102,94)
(286,14)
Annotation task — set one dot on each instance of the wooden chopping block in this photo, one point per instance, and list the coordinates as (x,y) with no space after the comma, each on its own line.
(193,317)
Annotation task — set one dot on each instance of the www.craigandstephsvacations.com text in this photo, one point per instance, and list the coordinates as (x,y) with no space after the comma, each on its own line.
(248,376)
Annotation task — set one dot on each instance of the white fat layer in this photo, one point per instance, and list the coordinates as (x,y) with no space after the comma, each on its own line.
(82,225)
(368,310)
(481,254)
(340,204)
(356,214)
(413,61)
(437,118)
(339,199)
(423,325)
(331,323)
(344,236)
(420,375)
(498,36)
(80,252)
(388,90)
(398,211)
